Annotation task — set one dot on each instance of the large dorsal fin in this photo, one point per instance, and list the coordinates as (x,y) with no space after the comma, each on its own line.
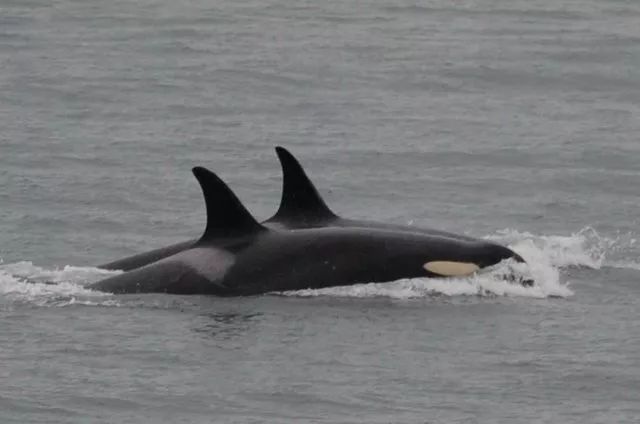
(226,215)
(300,201)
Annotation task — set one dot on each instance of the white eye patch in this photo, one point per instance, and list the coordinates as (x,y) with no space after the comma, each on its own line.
(451,268)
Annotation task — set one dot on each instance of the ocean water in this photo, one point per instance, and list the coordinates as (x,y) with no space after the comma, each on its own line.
(516,121)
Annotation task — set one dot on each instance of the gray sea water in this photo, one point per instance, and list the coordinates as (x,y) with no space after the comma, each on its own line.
(517,121)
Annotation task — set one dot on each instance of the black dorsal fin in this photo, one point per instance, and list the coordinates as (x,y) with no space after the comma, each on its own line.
(300,201)
(226,215)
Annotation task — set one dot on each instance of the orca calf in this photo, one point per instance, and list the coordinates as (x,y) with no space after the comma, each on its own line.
(237,256)
(301,206)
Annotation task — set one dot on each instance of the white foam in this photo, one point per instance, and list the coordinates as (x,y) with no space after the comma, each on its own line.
(585,248)
(25,282)
(491,283)
(625,265)
(624,252)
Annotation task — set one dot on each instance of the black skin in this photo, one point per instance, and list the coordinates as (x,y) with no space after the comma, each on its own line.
(145,258)
(136,261)
(238,256)
(273,261)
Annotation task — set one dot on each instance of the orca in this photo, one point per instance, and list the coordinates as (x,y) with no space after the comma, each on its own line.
(237,256)
(145,258)
(301,206)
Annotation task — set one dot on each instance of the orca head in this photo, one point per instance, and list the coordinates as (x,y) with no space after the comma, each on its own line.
(445,257)
(472,258)
(487,254)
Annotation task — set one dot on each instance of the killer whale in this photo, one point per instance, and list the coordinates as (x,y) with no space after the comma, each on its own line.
(237,256)
(301,206)
(145,258)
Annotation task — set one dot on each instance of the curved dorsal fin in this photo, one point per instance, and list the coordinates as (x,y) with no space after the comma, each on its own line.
(226,215)
(300,198)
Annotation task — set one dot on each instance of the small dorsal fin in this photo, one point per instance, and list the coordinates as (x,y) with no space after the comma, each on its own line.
(300,201)
(226,215)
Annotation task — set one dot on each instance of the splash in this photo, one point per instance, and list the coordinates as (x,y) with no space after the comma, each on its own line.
(625,252)
(487,284)
(23,282)
(625,265)
(583,249)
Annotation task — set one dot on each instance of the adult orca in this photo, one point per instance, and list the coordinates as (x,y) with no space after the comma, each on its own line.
(301,206)
(237,256)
